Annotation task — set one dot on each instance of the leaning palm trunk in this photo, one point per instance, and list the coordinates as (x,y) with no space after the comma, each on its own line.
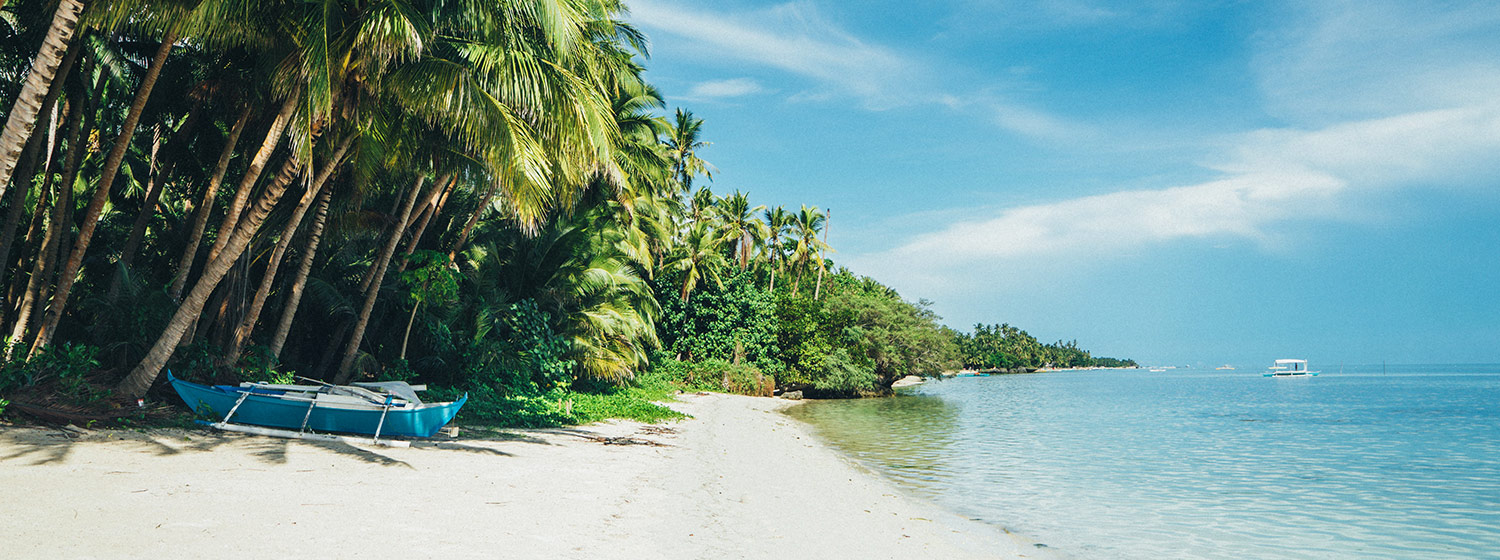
(69,272)
(206,207)
(252,315)
(42,266)
(155,185)
(29,158)
(145,373)
(57,230)
(18,203)
(346,364)
(430,207)
(463,236)
(44,68)
(294,296)
(822,264)
(247,183)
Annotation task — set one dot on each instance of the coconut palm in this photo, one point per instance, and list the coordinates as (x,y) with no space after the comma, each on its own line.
(778,223)
(807,224)
(740,226)
(683,144)
(699,257)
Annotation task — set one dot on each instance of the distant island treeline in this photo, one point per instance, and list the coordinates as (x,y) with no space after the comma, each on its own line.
(1008,348)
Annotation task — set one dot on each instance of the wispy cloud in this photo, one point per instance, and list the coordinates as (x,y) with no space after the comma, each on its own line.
(790,37)
(796,38)
(716,89)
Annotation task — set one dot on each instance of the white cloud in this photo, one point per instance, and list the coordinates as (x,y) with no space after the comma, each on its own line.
(736,87)
(1277,177)
(790,37)
(1378,121)
(795,38)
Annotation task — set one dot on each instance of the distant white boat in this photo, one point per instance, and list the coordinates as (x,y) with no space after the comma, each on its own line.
(1289,368)
(1157,369)
(1225,366)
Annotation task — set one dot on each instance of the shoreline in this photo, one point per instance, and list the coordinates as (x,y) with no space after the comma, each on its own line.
(739,480)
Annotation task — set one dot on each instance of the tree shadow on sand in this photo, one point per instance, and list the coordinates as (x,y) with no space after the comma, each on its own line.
(42,446)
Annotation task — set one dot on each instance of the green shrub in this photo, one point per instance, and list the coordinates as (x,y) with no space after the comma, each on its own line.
(558,407)
(257,365)
(490,407)
(713,375)
(845,377)
(67,365)
(630,404)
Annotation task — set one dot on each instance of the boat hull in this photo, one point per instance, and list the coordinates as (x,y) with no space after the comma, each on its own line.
(271,410)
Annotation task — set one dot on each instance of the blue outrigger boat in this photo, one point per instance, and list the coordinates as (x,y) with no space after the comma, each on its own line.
(389,408)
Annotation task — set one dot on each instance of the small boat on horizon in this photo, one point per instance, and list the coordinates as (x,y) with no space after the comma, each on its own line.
(1225,366)
(389,408)
(1289,368)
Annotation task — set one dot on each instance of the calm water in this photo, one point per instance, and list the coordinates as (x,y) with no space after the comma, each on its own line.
(1202,464)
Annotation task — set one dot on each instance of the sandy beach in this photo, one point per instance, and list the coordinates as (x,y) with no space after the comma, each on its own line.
(739,480)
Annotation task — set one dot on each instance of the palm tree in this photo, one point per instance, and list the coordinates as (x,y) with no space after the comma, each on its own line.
(702,207)
(740,226)
(699,257)
(778,223)
(683,145)
(807,224)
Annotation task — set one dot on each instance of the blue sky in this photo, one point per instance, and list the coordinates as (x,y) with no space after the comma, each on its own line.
(1177,182)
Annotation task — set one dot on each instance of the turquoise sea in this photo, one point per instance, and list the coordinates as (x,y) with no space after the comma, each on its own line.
(1371,462)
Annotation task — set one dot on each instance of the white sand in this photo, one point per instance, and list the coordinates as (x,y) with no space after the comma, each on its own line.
(740,480)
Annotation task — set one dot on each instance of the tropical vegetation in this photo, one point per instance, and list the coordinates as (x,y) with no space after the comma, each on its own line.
(484,196)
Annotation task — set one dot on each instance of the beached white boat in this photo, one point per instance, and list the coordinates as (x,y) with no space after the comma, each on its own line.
(1289,368)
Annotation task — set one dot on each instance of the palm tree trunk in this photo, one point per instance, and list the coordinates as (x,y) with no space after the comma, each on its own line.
(206,207)
(32,241)
(155,185)
(821,263)
(29,157)
(294,296)
(773,274)
(429,208)
(252,316)
(247,183)
(69,273)
(44,68)
(58,228)
(142,218)
(145,373)
(346,369)
(41,268)
(463,236)
(409,321)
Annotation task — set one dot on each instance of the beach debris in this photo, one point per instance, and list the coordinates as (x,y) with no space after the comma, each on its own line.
(624,440)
